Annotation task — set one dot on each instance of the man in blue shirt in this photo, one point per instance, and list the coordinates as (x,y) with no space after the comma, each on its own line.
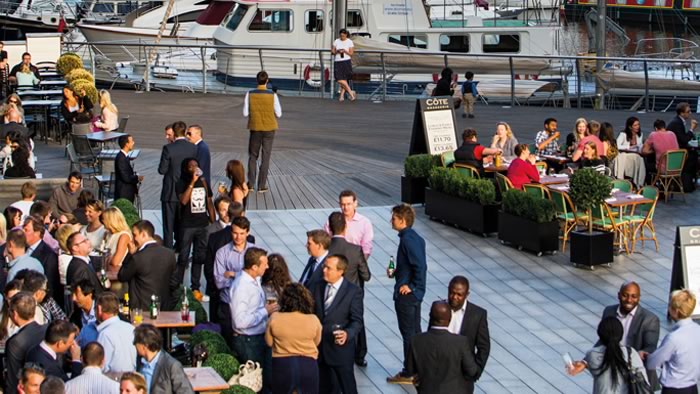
(170,377)
(115,336)
(84,315)
(410,275)
(15,249)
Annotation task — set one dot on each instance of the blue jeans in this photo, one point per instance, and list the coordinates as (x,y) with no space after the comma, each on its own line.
(254,348)
(408,316)
(294,373)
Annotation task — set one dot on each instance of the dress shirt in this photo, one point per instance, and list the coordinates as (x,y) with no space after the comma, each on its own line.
(146,244)
(32,248)
(318,261)
(117,338)
(91,381)
(148,368)
(25,261)
(247,305)
(87,334)
(679,355)
(90,317)
(246,106)
(457,318)
(228,258)
(358,231)
(330,294)
(45,346)
(626,321)
(440,328)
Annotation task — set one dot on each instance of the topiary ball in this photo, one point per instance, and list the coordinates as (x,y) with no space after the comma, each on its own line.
(131,214)
(224,364)
(213,341)
(80,73)
(80,85)
(238,389)
(68,62)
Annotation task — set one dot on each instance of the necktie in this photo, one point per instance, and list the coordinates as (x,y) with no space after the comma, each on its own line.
(330,292)
(308,271)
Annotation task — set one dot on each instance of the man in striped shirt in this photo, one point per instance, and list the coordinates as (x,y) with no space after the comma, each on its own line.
(92,380)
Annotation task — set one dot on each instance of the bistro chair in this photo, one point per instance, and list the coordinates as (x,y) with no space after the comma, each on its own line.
(642,217)
(541,165)
(106,188)
(467,170)
(672,173)
(623,185)
(84,164)
(567,215)
(536,190)
(504,184)
(122,124)
(603,219)
(447,158)
(86,155)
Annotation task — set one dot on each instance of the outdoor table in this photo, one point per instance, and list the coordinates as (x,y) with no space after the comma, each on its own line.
(103,137)
(492,168)
(43,93)
(556,159)
(52,83)
(168,320)
(620,200)
(205,379)
(554,179)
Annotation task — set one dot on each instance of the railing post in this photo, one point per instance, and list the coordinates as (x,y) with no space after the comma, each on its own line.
(228,63)
(148,71)
(445,60)
(262,66)
(646,87)
(512,82)
(578,83)
(323,74)
(203,51)
(381,55)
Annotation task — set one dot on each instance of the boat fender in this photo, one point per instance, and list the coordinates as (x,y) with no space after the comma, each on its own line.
(314,83)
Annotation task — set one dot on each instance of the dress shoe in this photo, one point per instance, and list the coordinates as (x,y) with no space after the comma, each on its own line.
(400,379)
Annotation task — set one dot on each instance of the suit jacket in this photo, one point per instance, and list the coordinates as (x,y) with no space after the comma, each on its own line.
(358,270)
(316,276)
(442,362)
(168,377)
(126,182)
(53,367)
(170,163)
(643,334)
(204,159)
(475,327)
(79,270)
(148,272)
(679,129)
(16,350)
(346,310)
(49,260)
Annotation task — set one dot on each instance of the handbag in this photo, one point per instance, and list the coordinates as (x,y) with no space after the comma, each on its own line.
(636,382)
(249,375)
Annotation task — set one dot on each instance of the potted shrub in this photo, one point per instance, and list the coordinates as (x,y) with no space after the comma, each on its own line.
(68,62)
(528,222)
(131,214)
(587,189)
(462,201)
(224,364)
(214,342)
(415,179)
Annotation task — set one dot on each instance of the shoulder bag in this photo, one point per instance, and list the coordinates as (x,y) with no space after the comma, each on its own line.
(635,378)
(249,375)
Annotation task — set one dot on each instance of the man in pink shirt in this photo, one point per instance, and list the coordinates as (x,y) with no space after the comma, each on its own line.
(659,142)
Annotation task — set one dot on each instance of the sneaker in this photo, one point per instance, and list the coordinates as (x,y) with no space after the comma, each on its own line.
(197,295)
(464,116)
(400,379)
(471,116)
(263,189)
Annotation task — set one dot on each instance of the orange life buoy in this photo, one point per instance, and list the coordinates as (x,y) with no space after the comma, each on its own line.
(314,83)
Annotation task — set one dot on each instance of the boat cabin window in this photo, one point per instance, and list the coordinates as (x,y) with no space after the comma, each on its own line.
(235,16)
(354,19)
(454,43)
(125,8)
(186,17)
(271,20)
(501,43)
(417,41)
(313,21)
(103,8)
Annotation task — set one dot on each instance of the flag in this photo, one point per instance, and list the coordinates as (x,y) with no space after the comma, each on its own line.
(61,24)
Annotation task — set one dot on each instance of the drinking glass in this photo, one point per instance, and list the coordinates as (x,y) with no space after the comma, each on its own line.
(271,299)
(337,328)
(137,315)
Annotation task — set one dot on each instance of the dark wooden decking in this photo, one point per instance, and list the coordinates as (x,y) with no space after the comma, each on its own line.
(322,146)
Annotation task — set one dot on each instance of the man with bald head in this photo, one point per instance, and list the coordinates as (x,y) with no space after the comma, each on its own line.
(441,361)
(640,326)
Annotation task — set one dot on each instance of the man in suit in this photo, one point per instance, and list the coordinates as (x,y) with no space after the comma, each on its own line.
(194,135)
(79,267)
(470,321)
(59,339)
(30,333)
(34,232)
(126,182)
(85,315)
(149,269)
(170,165)
(640,326)
(162,372)
(317,244)
(440,360)
(357,272)
(410,275)
(680,125)
(338,305)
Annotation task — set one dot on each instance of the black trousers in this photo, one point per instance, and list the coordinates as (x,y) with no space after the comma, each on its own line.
(294,373)
(169,209)
(408,316)
(684,390)
(361,345)
(257,140)
(224,314)
(336,379)
(192,239)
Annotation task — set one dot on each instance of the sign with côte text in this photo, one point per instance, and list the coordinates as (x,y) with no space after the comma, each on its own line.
(433,126)
(686,262)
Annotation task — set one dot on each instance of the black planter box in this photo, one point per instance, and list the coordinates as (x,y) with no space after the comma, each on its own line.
(477,218)
(526,234)
(593,249)
(413,189)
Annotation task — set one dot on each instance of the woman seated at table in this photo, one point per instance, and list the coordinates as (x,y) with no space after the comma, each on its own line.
(12,103)
(20,164)
(631,138)
(590,136)
(12,140)
(238,190)
(76,109)
(607,137)
(505,141)
(109,116)
(573,138)
(590,158)
(522,170)
(26,78)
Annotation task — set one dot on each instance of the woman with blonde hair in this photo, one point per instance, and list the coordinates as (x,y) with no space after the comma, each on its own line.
(239,189)
(132,383)
(119,235)
(64,256)
(579,132)
(26,78)
(109,117)
(505,140)
(12,103)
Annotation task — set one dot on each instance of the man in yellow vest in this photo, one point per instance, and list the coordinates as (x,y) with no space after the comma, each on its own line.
(262,108)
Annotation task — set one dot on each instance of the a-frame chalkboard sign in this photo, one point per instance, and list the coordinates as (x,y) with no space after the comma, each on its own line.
(434,126)
(686,262)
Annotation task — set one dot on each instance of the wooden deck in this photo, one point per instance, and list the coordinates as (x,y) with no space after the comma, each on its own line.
(322,146)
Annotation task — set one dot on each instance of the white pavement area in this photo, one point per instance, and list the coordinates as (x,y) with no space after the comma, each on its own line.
(538,307)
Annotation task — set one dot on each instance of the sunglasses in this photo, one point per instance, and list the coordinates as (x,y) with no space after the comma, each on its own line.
(14,102)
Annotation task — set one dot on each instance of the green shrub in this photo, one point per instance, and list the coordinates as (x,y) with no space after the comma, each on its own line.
(485,191)
(589,188)
(200,315)
(68,62)
(224,364)
(419,166)
(519,203)
(238,389)
(128,210)
(214,342)
(452,182)
(79,73)
(80,85)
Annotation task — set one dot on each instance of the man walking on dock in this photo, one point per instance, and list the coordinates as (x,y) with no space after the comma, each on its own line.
(262,108)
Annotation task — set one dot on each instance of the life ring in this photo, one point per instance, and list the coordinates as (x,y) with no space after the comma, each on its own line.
(533,77)
(314,83)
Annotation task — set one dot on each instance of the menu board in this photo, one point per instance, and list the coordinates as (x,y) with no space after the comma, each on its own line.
(686,262)
(434,125)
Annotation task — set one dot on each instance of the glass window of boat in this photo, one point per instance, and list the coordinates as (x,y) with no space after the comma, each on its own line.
(313,21)
(271,20)
(186,17)
(235,17)
(501,43)
(354,19)
(454,43)
(417,41)
(103,8)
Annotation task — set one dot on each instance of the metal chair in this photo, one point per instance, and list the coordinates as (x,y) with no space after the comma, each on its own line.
(106,191)
(466,169)
(83,164)
(122,124)
(536,190)
(623,185)
(642,217)
(541,165)
(567,215)
(86,156)
(675,159)
(447,158)
(504,184)
(603,219)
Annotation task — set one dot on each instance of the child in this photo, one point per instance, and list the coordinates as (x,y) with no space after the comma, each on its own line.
(469,94)
(28,196)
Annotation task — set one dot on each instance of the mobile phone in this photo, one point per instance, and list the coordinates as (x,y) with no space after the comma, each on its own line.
(568,361)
